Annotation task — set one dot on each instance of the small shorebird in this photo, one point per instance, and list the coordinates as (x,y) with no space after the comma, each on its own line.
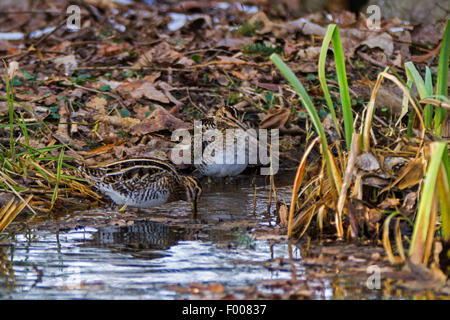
(143,183)
(216,159)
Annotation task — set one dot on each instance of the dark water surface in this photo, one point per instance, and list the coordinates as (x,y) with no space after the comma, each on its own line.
(148,259)
(230,249)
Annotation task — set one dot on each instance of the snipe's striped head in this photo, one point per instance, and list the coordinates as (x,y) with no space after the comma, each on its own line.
(193,191)
(228,116)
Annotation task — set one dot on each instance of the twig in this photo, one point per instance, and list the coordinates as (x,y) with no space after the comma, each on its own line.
(61,23)
(96,91)
(30,12)
(375,62)
(193,103)
(425,57)
(131,68)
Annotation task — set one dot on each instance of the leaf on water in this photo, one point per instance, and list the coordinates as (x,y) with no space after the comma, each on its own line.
(363,218)
(215,288)
(423,273)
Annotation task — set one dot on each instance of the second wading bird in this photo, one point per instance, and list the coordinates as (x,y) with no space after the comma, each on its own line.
(143,183)
(227,156)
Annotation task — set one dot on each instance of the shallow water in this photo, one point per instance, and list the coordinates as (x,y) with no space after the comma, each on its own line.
(145,259)
(94,264)
(231,249)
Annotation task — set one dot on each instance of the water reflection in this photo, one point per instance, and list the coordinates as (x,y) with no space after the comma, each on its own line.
(141,239)
(141,258)
(77,265)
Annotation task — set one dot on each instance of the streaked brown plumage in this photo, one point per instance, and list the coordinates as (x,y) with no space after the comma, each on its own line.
(143,183)
(215,163)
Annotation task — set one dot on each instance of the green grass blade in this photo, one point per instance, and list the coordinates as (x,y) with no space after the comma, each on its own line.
(321,73)
(445,198)
(58,177)
(442,79)
(409,128)
(413,74)
(332,35)
(405,104)
(428,116)
(22,125)
(426,200)
(424,88)
(307,103)
(343,87)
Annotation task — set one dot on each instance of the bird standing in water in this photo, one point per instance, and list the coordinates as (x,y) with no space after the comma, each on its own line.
(143,183)
(226,156)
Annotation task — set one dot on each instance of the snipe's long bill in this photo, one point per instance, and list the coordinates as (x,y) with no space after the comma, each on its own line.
(143,183)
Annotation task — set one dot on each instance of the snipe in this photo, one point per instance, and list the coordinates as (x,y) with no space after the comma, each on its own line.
(224,157)
(143,183)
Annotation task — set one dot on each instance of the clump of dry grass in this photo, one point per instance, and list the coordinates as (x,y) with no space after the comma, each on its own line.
(358,191)
(46,180)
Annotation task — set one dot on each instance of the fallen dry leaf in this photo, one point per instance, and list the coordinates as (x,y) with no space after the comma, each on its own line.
(149,91)
(275,118)
(161,54)
(390,163)
(159,120)
(260,17)
(97,104)
(105,148)
(111,48)
(413,176)
(367,162)
(389,203)
(383,41)
(124,122)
